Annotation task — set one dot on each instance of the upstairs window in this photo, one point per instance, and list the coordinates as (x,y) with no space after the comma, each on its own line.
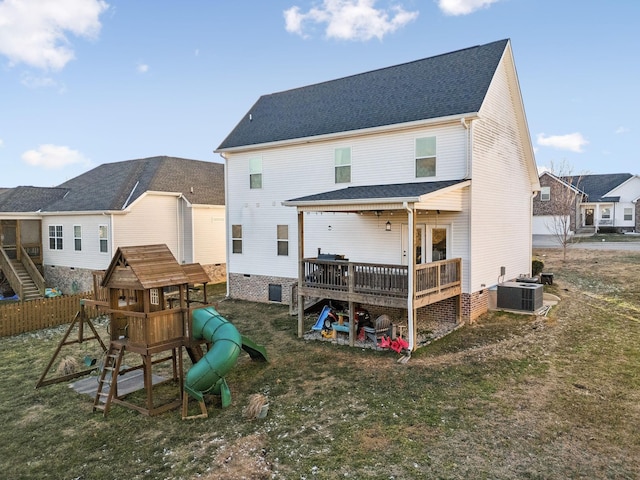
(283,240)
(77,237)
(104,239)
(236,238)
(545,194)
(342,158)
(55,237)
(255,173)
(426,157)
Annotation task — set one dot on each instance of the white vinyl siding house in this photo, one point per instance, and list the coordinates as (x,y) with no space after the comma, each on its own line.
(457,185)
(74,228)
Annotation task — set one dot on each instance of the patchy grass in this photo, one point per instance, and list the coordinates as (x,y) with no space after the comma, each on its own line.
(512,396)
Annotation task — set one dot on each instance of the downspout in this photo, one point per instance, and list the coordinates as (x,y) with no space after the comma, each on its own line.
(411,329)
(227,226)
(467,127)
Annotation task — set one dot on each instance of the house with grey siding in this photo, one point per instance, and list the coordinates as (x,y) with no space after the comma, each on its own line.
(405,190)
(70,230)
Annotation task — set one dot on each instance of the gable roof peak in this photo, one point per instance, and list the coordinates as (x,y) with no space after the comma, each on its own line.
(444,85)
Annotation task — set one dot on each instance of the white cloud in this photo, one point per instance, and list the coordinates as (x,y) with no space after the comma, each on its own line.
(142,68)
(34,32)
(53,157)
(572,141)
(349,19)
(621,130)
(463,7)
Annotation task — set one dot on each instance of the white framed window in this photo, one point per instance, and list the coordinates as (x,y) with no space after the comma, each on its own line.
(236,238)
(628,214)
(545,194)
(342,161)
(255,173)
(606,213)
(154,296)
(55,237)
(77,238)
(103,232)
(426,157)
(283,240)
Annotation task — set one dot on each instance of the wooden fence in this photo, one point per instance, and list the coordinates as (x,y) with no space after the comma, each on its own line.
(20,317)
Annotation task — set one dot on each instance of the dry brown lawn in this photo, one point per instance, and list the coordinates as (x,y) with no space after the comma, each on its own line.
(510,397)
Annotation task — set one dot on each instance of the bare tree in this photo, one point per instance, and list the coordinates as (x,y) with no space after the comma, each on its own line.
(563,205)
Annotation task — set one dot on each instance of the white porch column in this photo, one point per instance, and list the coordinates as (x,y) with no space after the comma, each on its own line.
(411,266)
(596,220)
(300,273)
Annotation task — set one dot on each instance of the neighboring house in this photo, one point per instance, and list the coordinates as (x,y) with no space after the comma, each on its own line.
(73,229)
(418,178)
(603,203)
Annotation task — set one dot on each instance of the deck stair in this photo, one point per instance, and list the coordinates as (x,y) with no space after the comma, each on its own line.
(109,378)
(29,288)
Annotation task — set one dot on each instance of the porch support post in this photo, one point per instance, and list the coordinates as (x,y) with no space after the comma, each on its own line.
(411,265)
(352,309)
(596,220)
(300,273)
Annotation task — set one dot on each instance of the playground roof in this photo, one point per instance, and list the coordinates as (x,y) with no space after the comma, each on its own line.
(143,267)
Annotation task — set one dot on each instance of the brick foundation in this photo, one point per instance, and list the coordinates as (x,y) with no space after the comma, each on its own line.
(217,272)
(255,288)
(68,280)
(474,305)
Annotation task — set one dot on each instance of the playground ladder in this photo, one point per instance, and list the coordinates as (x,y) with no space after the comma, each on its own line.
(109,377)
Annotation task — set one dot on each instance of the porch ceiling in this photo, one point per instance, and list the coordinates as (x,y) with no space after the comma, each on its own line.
(423,195)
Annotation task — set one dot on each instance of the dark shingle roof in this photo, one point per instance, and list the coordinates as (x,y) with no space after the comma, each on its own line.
(451,84)
(368,192)
(29,199)
(112,186)
(597,186)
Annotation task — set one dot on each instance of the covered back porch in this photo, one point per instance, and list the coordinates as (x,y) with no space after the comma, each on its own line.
(418,281)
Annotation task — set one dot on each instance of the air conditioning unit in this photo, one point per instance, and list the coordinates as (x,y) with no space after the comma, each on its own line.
(520,296)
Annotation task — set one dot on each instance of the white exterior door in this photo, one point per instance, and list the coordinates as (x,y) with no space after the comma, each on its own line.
(420,243)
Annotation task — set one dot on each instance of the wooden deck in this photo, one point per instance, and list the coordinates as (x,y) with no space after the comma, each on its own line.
(380,284)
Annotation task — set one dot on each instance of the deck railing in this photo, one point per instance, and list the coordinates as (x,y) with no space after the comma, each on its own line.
(380,279)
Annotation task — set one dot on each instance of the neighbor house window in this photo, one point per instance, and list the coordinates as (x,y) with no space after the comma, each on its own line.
(255,173)
(104,239)
(236,238)
(283,240)
(628,214)
(77,237)
(55,237)
(342,160)
(545,194)
(606,213)
(426,157)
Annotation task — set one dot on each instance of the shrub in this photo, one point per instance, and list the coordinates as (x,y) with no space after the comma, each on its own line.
(536,267)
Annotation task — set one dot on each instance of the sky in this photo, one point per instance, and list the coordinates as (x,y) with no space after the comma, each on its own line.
(87,82)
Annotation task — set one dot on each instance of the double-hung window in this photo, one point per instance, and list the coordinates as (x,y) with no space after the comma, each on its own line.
(426,157)
(77,238)
(55,237)
(236,238)
(342,160)
(628,214)
(255,173)
(283,240)
(104,238)
(545,194)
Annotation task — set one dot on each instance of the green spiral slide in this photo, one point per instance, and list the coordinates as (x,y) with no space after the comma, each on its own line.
(207,375)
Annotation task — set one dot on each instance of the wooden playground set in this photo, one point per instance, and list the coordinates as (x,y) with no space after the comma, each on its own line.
(145,293)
